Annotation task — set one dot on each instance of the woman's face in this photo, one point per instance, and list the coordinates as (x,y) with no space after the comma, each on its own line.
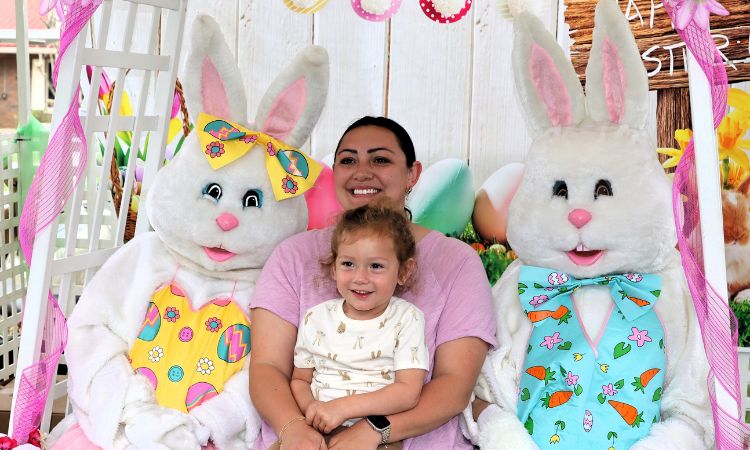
(370,164)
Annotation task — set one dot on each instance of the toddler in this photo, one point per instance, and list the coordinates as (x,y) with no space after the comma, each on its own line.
(363,355)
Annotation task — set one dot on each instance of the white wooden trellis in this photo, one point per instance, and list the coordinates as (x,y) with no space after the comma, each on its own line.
(13,270)
(74,246)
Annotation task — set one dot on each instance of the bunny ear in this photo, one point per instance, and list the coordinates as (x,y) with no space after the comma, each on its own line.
(292,104)
(550,92)
(616,81)
(212,82)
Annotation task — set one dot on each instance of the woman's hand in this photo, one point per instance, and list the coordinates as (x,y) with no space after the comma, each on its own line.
(359,436)
(300,436)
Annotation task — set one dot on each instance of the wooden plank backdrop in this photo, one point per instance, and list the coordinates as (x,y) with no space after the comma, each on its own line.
(662,50)
(451,86)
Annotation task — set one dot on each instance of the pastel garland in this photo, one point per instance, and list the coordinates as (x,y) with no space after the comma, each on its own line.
(441,11)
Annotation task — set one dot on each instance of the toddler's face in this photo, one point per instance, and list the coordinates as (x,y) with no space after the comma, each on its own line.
(366,271)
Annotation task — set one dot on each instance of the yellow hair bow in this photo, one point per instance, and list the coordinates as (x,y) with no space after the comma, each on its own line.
(291,171)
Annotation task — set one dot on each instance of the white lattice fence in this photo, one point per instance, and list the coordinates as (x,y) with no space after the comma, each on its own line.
(13,269)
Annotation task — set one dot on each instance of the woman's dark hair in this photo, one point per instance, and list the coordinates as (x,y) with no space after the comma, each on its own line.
(402,137)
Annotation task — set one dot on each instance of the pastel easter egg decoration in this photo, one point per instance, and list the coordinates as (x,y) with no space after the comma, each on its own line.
(149,374)
(492,201)
(223,131)
(443,198)
(293,163)
(175,290)
(234,343)
(305,6)
(322,205)
(445,11)
(376,10)
(151,323)
(199,393)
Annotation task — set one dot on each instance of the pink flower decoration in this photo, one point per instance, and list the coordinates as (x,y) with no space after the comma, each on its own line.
(609,389)
(289,185)
(171,314)
(215,149)
(538,300)
(550,341)
(640,336)
(213,324)
(556,279)
(634,277)
(571,379)
(269,148)
(697,11)
(249,138)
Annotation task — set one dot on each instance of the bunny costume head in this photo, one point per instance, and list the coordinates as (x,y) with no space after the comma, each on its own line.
(594,199)
(595,324)
(228,219)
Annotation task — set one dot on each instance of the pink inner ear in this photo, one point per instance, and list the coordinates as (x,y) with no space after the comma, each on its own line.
(615,81)
(213,93)
(550,87)
(286,110)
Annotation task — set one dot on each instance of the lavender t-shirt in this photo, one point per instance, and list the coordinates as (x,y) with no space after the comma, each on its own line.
(449,286)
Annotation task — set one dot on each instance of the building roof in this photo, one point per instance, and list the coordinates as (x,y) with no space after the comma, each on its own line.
(40,34)
(8,17)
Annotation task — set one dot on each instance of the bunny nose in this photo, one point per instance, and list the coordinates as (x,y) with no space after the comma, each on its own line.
(579,217)
(227,221)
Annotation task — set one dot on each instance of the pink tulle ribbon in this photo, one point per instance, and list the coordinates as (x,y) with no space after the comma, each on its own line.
(59,173)
(720,341)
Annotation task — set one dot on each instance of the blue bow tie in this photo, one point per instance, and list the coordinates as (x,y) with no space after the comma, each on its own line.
(542,290)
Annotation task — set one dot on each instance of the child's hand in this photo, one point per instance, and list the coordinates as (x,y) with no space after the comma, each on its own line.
(324,416)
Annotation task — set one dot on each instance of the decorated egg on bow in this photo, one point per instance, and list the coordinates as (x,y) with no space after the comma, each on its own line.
(493,198)
(443,198)
(322,205)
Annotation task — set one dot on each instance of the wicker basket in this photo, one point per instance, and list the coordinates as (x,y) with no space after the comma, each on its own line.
(114,170)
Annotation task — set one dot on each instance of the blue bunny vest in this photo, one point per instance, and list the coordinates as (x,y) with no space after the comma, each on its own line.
(576,393)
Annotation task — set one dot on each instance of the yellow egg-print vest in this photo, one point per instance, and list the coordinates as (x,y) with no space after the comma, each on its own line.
(188,355)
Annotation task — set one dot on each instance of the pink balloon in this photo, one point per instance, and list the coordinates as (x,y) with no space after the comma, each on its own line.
(322,205)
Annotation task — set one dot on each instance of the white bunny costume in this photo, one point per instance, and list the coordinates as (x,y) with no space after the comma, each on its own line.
(593,203)
(215,228)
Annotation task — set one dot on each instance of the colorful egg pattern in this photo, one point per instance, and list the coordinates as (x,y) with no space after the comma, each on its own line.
(199,393)
(234,343)
(188,354)
(149,374)
(151,323)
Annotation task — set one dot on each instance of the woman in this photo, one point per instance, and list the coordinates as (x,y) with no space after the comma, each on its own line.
(374,158)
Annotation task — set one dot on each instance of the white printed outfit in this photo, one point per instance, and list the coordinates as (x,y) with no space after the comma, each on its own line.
(358,356)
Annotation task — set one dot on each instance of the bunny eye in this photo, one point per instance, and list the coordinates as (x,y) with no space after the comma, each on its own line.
(252,199)
(603,187)
(560,189)
(213,191)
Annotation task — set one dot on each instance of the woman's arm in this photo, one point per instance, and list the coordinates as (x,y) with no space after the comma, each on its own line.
(457,365)
(270,372)
(401,395)
(301,380)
